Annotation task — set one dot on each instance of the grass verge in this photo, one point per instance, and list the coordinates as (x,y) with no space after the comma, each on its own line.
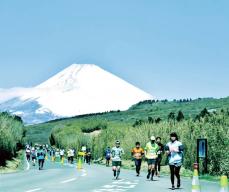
(14,165)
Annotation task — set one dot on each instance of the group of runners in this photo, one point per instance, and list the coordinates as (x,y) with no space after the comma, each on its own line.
(59,154)
(36,153)
(152,152)
(39,153)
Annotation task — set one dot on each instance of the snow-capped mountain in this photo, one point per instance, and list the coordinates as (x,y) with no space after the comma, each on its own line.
(78,89)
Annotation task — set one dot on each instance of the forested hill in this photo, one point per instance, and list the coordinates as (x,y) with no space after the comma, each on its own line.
(151,110)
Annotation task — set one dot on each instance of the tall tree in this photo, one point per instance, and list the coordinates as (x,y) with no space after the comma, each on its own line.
(150,120)
(171,116)
(180,116)
(158,120)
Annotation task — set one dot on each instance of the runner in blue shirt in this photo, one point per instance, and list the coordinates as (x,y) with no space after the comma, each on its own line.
(41,157)
(108,156)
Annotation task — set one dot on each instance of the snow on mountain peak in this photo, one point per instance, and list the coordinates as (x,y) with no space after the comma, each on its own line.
(81,89)
(66,79)
(87,88)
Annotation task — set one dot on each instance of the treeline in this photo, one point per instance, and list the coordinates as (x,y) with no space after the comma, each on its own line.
(173,117)
(163,101)
(84,116)
(11,136)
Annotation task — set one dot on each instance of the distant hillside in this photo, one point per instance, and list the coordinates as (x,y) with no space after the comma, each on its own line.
(141,111)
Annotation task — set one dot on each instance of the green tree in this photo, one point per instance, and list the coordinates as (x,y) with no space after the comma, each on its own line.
(158,120)
(150,120)
(171,116)
(180,116)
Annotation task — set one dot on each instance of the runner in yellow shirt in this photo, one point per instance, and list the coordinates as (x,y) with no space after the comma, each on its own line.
(151,150)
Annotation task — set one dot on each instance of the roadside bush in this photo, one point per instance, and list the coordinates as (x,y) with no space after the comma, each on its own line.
(11,136)
(215,128)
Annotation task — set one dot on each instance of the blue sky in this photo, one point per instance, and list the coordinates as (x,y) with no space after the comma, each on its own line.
(171,49)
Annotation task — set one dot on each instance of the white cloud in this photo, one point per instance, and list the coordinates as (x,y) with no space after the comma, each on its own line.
(7,94)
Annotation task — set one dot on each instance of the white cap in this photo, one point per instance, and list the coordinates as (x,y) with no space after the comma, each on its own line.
(152,138)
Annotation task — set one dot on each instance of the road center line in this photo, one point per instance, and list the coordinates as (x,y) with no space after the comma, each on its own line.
(69,180)
(32,190)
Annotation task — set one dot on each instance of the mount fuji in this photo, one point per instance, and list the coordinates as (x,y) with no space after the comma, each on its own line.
(78,89)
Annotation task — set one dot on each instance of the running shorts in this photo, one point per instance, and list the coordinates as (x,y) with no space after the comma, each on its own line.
(116,163)
(151,161)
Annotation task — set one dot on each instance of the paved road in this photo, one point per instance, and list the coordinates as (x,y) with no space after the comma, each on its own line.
(66,178)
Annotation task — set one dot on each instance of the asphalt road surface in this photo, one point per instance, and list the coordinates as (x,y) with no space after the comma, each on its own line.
(94,178)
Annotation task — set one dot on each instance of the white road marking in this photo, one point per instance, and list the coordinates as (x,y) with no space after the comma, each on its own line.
(28,165)
(118,186)
(32,190)
(84,173)
(110,190)
(67,181)
(125,183)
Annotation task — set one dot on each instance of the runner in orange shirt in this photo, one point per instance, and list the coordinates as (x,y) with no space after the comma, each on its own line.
(137,154)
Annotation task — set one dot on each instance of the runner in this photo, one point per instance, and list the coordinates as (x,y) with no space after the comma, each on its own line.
(151,150)
(174,149)
(74,152)
(34,155)
(137,153)
(69,155)
(28,153)
(46,151)
(108,156)
(88,156)
(72,155)
(116,154)
(53,154)
(61,154)
(159,157)
(57,154)
(47,147)
(84,149)
(41,157)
